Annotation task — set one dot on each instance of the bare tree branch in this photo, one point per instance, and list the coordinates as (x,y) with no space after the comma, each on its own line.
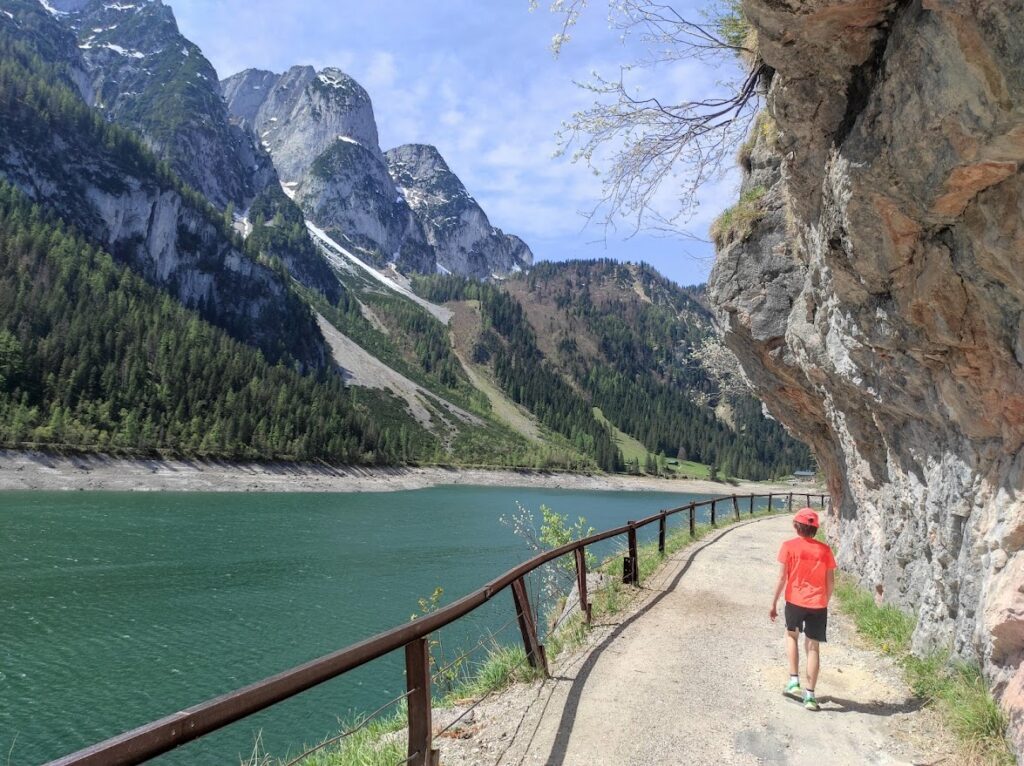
(640,145)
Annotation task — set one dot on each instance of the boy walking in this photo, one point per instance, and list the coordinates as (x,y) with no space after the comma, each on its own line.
(808,576)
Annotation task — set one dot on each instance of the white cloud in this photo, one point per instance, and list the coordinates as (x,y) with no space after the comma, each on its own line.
(381,72)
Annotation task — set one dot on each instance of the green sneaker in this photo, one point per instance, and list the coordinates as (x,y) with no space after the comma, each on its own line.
(793,688)
(810,703)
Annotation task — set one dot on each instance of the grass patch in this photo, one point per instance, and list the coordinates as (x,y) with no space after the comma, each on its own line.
(376,744)
(954,688)
(632,449)
(736,222)
(765,130)
(503,666)
(887,628)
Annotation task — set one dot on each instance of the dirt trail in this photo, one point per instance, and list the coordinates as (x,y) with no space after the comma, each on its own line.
(693,675)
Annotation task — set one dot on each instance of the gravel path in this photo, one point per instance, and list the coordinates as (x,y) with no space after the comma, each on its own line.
(693,675)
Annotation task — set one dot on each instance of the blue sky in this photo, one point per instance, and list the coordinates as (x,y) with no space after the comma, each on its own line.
(477,79)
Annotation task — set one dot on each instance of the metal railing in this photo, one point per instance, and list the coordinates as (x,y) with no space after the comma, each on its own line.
(170,732)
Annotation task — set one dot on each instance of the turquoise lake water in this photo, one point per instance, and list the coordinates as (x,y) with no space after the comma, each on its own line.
(118,608)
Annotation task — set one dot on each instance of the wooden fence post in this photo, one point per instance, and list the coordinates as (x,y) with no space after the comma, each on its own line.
(417,682)
(693,520)
(736,507)
(790,502)
(808,500)
(770,509)
(581,582)
(662,524)
(631,566)
(713,512)
(751,504)
(534,650)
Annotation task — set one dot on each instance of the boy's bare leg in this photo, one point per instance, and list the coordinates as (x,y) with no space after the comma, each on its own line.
(813,649)
(793,652)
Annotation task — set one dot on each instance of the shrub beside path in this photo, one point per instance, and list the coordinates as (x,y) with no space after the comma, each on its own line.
(692,673)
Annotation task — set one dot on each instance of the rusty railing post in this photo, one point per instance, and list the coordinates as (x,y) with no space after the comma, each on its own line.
(581,583)
(790,502)
(770,509)
(662,524)
(631,564)
(417,682)
(751,503)
(736,507)
(534,650)
(808,500)
(693,520)
(713,512)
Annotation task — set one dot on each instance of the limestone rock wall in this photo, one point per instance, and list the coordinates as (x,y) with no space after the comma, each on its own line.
(877,303)
(454,223)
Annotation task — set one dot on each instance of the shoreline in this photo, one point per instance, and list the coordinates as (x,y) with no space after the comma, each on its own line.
(48,472)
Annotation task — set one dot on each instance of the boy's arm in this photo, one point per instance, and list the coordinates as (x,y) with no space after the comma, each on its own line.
(779,586)
(830,585)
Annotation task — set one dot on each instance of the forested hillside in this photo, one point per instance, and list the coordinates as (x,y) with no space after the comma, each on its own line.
(101,179)
(640,368)
(92,357)
(571,336)
(509,346)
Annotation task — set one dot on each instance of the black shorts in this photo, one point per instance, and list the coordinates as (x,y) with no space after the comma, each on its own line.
(811,622)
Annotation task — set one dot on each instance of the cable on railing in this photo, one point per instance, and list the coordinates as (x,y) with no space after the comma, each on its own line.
(358,727)
(489,637)
(566,615)
(407,758)
(479,702)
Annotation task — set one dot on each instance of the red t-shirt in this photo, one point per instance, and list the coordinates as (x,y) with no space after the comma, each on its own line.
(807,563)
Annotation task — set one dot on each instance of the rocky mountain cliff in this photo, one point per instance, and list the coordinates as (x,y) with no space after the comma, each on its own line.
(144,74)
(102,181)
(874,295)
(407,208)
(456,226)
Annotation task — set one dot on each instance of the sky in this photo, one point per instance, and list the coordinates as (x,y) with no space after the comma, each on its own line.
(477,79)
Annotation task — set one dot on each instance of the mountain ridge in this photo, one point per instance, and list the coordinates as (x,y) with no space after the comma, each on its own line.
(404,206)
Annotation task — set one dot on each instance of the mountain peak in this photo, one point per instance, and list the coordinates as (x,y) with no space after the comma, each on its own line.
(455,224)
(299,114)
(427,152)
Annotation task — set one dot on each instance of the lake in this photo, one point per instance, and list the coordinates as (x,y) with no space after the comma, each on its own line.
(118,608)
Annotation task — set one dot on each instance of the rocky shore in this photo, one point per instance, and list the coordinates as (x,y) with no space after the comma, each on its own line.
(49,472)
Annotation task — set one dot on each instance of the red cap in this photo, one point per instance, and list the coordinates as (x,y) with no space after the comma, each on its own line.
(806,516)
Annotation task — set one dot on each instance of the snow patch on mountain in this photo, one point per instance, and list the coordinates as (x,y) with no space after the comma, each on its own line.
(335,253)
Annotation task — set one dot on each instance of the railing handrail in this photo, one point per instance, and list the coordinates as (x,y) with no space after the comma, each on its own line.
(167,733)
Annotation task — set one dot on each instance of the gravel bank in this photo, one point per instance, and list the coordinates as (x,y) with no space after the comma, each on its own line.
(42,471)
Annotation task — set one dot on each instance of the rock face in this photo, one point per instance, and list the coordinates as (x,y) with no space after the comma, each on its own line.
(145,75)
(405,207)
(456,226)
(877,304)
(109,187)
(319,128)
(300,114)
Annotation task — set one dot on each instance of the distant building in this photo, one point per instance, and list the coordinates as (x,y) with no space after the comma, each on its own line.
(804,474)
